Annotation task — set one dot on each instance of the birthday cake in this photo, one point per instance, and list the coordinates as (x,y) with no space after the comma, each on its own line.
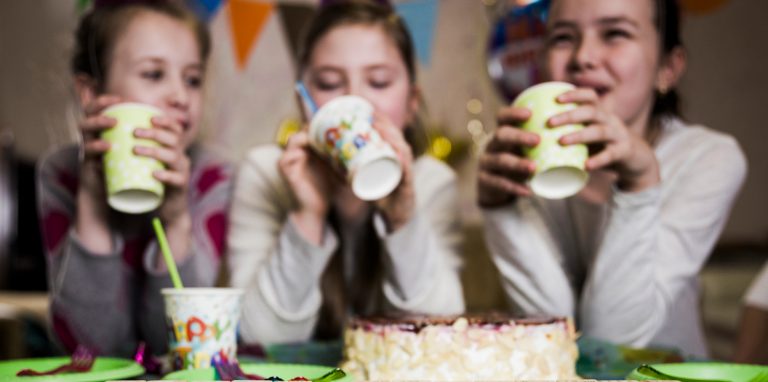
(460,348)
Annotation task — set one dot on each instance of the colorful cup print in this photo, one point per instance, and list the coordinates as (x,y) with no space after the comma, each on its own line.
(560,169)
(342,130)
(131,187)
(202,325)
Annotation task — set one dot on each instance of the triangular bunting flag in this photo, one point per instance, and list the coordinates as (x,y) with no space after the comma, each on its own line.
(420,16)
(246,19)
(204,9)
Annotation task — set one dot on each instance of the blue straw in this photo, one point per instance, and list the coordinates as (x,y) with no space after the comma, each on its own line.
(306,98)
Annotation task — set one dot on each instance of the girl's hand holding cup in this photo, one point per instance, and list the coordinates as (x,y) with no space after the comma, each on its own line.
(504,171)
(94,147)
(548,166)
(168,134)
(398,206)
(618,148)
(311,181)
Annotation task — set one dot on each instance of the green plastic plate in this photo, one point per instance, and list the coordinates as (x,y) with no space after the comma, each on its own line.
(704,370)
(103,369)
(285,371)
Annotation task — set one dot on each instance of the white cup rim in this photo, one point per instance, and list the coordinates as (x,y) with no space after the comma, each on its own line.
(193,291)
(133,105)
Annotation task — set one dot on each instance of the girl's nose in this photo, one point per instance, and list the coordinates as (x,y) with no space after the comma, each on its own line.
(355,87)
(178,95)
(586,54)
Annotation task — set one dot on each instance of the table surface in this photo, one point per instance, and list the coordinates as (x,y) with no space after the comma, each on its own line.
(24,303)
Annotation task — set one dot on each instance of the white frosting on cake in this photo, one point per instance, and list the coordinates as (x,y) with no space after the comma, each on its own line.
(461,350)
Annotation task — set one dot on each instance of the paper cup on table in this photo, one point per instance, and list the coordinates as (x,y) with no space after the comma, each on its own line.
(202,325)
(342,130)
(560,169)
(131,187)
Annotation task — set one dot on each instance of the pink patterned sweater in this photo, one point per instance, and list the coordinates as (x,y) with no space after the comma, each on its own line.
(111,302)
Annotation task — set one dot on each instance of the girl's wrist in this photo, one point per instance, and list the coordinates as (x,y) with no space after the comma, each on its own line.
(395,221)
(310,224)
(642,181)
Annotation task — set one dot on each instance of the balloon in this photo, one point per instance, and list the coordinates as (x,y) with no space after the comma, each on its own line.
(515,46)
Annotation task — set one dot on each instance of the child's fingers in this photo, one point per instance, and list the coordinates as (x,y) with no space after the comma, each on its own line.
(169,124)
(602,159)
(298,140)
(164,137)
(582,114)
(513,115)
(95,147)
(171,178)
(173,159)
(508,138)
(97,124)
(579,95)
(507,163)
(101,103)
(394,136)
(501,183)
(589,135)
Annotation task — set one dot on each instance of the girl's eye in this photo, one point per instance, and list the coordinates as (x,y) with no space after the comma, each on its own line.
(612,34)
(379,84)
(195,81)
(559,39)
(328,85)
(153,75)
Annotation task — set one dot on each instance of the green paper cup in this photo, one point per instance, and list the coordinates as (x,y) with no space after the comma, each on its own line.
(131,188)
(560,169)
(202,325)
(342,130)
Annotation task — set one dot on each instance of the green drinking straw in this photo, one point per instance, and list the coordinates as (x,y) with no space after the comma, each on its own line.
(166,250)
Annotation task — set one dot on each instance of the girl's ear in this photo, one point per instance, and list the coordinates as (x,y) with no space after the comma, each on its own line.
(672,69)
(85,86)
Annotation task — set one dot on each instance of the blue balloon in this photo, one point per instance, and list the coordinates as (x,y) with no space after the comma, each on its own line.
(515,46)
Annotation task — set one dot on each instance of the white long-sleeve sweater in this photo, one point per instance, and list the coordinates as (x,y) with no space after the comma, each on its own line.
(627,270)
(280,271)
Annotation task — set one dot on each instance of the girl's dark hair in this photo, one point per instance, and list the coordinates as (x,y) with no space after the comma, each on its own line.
(356,12)
(667,20)
(100,28)
(364,288)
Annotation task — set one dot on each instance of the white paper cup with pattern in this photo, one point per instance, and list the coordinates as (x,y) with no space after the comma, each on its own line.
(560,171)
(131,187)
(202,325)
(342,130)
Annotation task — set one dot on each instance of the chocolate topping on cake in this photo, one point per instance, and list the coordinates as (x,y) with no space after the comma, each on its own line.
(413,323)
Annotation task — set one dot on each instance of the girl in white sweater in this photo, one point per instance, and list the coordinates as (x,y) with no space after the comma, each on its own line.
(623,255)
(305,249)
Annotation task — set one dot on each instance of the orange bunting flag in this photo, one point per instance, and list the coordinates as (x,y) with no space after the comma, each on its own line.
(247,19)
(700,7)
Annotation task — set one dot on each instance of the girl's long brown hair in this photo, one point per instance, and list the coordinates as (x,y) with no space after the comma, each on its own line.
(339,299)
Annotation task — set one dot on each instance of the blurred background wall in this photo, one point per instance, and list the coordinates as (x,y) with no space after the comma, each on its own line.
(250,96)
